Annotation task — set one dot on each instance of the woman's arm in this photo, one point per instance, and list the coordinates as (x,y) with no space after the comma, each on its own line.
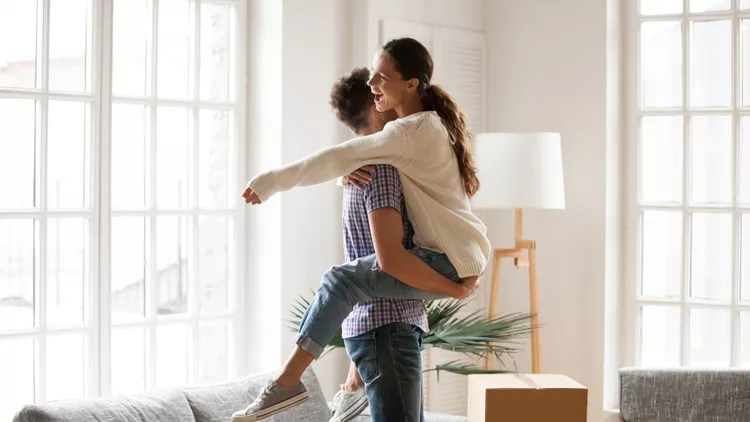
(386,147)
(387,230)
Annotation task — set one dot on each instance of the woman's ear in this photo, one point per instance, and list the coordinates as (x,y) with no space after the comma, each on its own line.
(412,84)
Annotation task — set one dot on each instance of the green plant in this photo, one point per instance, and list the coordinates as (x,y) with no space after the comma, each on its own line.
(474,335)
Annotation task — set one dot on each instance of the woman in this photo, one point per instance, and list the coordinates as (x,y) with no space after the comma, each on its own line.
(429,145)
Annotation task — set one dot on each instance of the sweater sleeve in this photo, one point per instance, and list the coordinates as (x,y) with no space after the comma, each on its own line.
(388,146)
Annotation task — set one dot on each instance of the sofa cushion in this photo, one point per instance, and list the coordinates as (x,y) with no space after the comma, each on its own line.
(162,406)
(683,394)
(217,403)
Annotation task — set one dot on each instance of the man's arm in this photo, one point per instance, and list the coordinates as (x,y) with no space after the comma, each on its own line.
(385,147)
(387,231)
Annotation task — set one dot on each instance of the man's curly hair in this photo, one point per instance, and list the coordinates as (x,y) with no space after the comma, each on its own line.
(351,99)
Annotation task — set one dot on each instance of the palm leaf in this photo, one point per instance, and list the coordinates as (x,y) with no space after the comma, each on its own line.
(462,368)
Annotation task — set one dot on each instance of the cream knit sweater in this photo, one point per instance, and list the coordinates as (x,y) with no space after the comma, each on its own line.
(419,147)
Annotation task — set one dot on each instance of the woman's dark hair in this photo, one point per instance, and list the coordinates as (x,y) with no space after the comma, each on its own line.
(351,99)
(413,60)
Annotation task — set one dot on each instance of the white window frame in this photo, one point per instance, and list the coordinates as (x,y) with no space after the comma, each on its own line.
(98,325)
(631,343)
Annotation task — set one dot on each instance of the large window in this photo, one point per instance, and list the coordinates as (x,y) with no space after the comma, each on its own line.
(691,201)
(119,127)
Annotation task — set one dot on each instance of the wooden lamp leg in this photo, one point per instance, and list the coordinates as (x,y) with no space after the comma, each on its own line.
(493,300)
(536,347)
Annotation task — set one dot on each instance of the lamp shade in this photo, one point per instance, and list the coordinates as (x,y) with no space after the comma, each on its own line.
(519,170)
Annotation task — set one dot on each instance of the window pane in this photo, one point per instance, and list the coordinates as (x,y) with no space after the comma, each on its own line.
(213,158)
(711,159)
(173,141)
(128,361)
(745,4)
(130,150)
(710,338)
(66,366)
(744,340)
(213,349)
(213,266)
(711,256)
(662,253)
(711,64)
(17,373)
(17,262)
(69,45)
(172,265)
(128,267)
(67,270)
(17,160)
(745,263)
(660,336)
(661,159)
(172,364)
(68,155)
(698,6)
(130,52)
(217,52)
(18,58)
(744,156)
(661,64)
(176,55)
(661,7)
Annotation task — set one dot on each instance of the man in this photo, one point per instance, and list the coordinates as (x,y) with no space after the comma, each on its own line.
(383,337)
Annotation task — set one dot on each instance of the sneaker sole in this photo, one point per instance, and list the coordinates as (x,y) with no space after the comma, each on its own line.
(275,409)
(353,411)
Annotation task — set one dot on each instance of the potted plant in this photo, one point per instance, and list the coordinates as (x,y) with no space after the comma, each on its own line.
(474,336)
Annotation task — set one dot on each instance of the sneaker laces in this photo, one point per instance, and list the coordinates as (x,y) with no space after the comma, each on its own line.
(339,396)
(265,393)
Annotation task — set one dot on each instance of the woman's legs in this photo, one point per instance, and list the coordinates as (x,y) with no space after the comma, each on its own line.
(343,287)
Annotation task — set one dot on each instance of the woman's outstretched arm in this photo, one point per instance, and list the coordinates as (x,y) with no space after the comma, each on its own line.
(386,147)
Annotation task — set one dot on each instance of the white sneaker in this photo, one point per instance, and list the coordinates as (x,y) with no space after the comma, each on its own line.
(272,399)
(347,406)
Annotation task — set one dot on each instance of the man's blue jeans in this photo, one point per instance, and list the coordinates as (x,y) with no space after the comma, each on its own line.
(389,361)
(359,281)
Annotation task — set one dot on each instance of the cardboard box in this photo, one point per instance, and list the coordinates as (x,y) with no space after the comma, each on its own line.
(526,398)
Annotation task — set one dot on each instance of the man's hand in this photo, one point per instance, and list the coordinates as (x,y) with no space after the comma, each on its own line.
(468,286)
(360,177)
(250,197)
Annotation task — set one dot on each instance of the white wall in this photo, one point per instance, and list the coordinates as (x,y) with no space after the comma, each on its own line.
(548,71)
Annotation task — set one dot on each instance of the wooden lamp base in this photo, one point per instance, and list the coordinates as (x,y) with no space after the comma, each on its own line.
(524,256)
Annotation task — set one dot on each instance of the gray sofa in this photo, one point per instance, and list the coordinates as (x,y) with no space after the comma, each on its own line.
(677,395)
(196,404)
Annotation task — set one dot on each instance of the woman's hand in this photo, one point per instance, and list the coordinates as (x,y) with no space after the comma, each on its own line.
(360,177)
(250,197)
(468,286)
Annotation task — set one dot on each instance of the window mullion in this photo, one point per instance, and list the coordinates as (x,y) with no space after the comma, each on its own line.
(102,215)
(193,303)
(151,287)
(41,239)
(736,215)
(686,216)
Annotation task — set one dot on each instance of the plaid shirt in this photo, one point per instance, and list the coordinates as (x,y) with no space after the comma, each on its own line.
(383,191)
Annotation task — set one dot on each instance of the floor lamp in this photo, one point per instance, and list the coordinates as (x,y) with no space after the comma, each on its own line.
(519,171)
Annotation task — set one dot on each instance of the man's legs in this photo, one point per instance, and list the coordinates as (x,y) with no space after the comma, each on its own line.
(390,362)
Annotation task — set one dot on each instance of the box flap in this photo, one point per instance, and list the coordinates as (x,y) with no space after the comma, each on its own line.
(523,381)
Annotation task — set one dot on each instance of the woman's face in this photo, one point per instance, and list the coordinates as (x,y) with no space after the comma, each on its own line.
(386,83)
